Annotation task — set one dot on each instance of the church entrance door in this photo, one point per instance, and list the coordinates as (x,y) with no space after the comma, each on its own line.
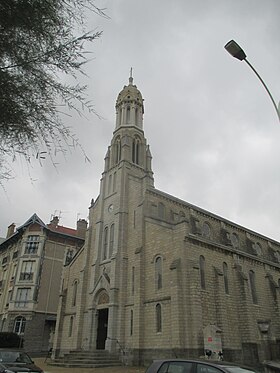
(102,327)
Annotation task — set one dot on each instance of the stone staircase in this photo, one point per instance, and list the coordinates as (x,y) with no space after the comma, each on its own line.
(87,359)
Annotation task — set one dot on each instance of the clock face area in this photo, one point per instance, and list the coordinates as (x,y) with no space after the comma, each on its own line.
(111,208)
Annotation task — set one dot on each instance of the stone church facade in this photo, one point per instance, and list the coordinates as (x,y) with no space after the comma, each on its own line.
(156,272)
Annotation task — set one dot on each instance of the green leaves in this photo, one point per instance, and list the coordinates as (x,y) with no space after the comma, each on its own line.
(38,46)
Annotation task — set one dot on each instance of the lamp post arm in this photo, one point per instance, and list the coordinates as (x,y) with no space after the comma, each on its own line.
(267,90)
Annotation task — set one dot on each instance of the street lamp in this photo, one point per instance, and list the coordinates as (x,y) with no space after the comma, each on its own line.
(236,51)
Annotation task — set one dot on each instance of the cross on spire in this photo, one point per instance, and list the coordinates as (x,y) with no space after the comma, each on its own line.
(130,77)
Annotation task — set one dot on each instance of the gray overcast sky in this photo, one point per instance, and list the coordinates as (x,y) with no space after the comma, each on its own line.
(213,132)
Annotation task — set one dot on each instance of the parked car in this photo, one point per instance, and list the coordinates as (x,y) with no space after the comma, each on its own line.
(196,366)
(16,361)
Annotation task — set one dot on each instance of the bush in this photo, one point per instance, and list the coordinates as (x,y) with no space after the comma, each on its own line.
(8,340)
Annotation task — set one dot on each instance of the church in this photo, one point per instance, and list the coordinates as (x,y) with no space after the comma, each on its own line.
(159,277)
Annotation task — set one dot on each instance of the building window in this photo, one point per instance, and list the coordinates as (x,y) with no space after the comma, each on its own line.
(128,114)
(132,280)
(27,270)
(32,244)
(158,273)
(158,318)
(111,244)
(136,116)
(15,254)
(75,288)
(71,322)
(5,260)
(114,181)
(225,271)
(109,184)
(105,243)
(19,325)
(202,272)
(118,150)
(135,150)
(252,280)
(23,296)
(131,322)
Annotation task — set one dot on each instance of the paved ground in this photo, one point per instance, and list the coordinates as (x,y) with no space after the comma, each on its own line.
(51,369)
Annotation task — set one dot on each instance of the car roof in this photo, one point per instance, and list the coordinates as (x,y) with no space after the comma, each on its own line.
(205,361)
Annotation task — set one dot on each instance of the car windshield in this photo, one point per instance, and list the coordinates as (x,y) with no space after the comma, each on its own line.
(238,369)
(14,357)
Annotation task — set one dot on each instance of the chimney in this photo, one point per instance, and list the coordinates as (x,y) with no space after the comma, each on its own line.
(54,222)
(81,228)
(11,230)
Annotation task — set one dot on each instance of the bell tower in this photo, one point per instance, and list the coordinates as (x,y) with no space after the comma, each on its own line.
(128,143)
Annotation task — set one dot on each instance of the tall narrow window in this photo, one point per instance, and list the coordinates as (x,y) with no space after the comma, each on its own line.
(71,322)
(19,325)
(252,280)
(120,117)
(111,245)
(128,114)
(202,272)
(225,271)
(110,184)
(135,150)
(131,322)
(158,273)
(75,288)
(136,116)
(114,181)
(118,150)
(105,243)
(158,318)
(132,280)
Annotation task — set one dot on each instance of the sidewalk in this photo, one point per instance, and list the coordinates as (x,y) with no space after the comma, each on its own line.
(52,369)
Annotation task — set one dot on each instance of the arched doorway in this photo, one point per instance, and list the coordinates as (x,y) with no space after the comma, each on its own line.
(102,320)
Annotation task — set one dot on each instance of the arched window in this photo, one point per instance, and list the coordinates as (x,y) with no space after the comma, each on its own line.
(202,272)
(225,271)
(71,322)
(19,325)
(75,288)
(158,273)
(135,150)
(128,114)
(131,322)
(252,280)
(111,244)
(158,318)
(118,150)
(105,243)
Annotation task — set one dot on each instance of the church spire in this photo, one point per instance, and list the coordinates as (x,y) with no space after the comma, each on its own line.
(129,106)
(131,77)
